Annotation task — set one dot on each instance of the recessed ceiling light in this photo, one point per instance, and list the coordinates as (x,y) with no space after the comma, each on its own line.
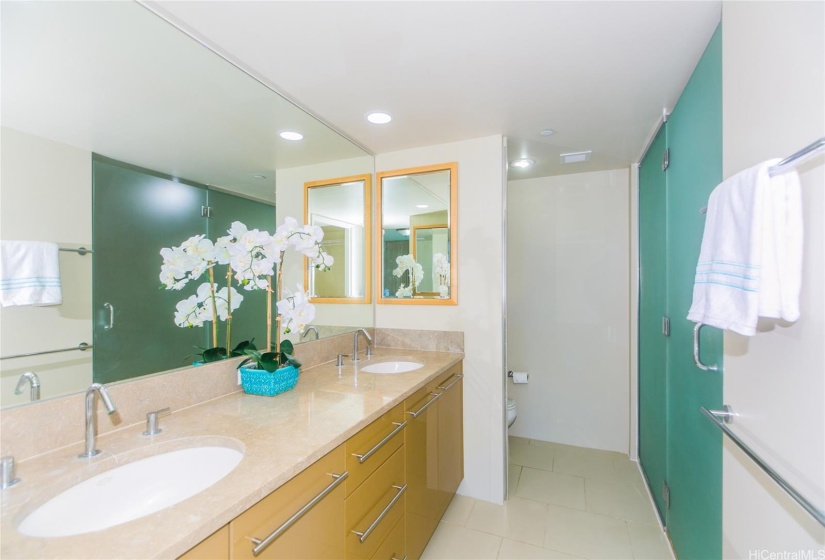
(422,205)
(547,132)
(259,176)
(522,163)
(378,117)
(290,135)
(575,157)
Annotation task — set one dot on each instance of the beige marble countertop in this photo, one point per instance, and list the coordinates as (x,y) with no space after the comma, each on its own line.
(280,436)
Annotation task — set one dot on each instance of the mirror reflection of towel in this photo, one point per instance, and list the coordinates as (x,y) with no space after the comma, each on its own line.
(29,273)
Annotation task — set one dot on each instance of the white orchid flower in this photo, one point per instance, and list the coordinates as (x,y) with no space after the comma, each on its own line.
(237,229)
(295,310)
(186,313)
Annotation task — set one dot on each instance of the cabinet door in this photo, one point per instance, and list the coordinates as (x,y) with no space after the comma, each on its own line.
(450,437)
(421,442)
(317,534)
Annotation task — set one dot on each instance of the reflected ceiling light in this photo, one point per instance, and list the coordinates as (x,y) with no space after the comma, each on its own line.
(547,132)
(290,135)
(522,163)
(377,117)
(259,177)
(575,157)
(422,205)
(404,231)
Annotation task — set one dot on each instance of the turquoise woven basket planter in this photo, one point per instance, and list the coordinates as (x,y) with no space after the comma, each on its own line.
(261,382)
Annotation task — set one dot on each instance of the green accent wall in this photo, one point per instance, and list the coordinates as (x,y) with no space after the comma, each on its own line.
(676,443)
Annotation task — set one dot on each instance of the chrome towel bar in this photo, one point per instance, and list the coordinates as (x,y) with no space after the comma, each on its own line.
(82,347)
(715,415)
(795,159)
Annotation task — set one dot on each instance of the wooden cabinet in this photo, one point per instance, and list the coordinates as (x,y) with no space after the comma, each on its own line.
(450,437)
(434,455)
(213,547)
(303,519)
(379,495)
(375,508)
(369,448)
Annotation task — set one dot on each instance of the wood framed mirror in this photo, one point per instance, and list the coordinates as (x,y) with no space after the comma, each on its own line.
(341,207)
(417,244)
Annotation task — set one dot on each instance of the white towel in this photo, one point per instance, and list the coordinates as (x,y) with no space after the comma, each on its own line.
(29,273)
(750,264)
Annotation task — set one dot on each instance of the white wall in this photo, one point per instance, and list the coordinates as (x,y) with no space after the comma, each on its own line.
(568,307)
(479,310)
(289,201)
(46,194)
(774,104)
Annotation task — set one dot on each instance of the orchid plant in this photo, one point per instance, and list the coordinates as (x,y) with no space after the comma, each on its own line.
(406,263)
(441,269)
(252,255)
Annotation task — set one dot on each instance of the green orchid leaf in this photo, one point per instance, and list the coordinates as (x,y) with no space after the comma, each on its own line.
(287,347)
(292,361)
(269,361)
(214,354)
(242,347)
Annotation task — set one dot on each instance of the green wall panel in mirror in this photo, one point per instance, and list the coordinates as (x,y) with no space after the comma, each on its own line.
(134,89)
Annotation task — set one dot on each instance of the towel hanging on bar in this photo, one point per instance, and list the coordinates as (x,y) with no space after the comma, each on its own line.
(750,264)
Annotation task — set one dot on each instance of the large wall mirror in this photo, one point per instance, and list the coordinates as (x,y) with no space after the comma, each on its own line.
(120,107)
(341,208)
(418,241)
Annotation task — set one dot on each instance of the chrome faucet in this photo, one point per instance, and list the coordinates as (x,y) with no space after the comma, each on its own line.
(33,380)
(355,344)
(90,416)
(312,328)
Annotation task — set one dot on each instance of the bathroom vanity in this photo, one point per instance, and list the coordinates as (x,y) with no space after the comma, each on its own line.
(346,465)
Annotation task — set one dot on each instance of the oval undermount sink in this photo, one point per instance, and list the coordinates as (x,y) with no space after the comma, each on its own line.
(131,491)
(392,367)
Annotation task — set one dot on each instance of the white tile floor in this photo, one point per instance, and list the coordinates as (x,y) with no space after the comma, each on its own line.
(565,502)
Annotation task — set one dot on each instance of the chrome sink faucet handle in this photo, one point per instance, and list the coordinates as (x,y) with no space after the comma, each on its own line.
(34,382)
(90,416)
(355,344)
(152,428)
(7,469)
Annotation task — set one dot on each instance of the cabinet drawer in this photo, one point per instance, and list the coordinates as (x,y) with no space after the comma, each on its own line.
(373,445)
(375,507)
(394,546)
(317,534)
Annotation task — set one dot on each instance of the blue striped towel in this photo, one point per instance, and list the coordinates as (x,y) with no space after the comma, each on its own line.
(29,273)
(750,263)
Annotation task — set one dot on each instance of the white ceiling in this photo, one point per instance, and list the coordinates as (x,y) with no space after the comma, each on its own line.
(599,73)
(115,79)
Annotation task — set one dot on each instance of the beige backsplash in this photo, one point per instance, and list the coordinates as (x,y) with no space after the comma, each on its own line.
(30,430)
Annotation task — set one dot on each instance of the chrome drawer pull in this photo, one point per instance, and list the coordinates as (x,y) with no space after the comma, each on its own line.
(262,544)
(450,386)
(394,557)
(436,396)
(380,444)
(363,536)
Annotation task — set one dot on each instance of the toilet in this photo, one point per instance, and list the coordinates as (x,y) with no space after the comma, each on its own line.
(511,411)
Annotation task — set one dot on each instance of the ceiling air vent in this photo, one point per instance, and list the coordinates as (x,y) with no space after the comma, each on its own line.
(576,157)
